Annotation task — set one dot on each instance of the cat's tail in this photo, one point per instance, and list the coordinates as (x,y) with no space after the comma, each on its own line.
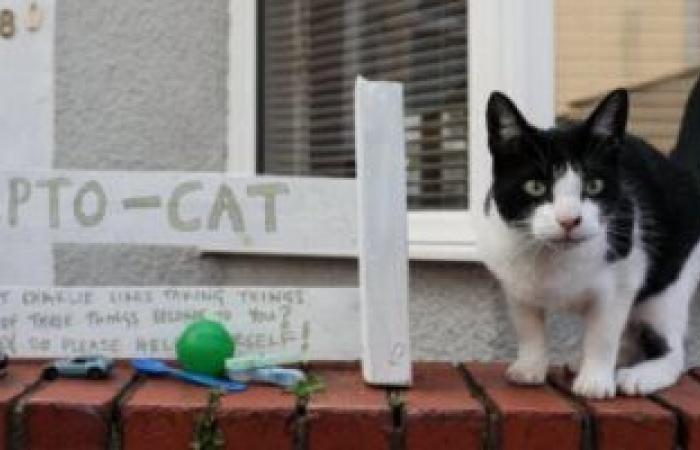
(687,151)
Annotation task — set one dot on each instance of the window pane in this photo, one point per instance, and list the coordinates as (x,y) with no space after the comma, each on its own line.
(312,52)
(650,47)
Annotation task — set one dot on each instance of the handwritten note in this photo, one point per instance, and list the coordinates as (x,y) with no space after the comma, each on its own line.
(322,323)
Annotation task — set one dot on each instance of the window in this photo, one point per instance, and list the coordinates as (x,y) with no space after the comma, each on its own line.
(291,82)
(311,53)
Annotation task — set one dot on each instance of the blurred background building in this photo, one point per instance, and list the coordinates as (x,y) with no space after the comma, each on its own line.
(650,47)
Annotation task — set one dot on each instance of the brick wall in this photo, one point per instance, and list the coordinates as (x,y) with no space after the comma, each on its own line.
(469,406)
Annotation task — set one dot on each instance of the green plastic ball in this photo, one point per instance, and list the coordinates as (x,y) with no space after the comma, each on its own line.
(204,347)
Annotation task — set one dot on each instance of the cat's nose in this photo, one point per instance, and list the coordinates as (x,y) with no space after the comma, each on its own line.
(569,223)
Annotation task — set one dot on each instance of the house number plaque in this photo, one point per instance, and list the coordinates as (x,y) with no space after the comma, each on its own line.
(7,23)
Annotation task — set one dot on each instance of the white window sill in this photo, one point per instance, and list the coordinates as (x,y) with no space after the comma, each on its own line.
(418,251)
(441,236)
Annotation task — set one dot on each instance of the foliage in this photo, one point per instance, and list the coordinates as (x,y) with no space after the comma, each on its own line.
(304,389)
(397,400)
(207,434)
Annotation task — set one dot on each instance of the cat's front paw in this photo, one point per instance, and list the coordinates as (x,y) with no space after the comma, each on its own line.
(594,384)
(527,371)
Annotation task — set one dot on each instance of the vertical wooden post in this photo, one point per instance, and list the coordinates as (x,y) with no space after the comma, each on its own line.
(382,232)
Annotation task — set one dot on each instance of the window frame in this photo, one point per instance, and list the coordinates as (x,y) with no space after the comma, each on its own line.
(510,48)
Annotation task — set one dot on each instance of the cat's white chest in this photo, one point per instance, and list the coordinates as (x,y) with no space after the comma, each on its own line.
(565,278)
(552,280)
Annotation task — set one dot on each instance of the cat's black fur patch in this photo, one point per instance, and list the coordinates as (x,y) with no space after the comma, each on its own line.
(661,195)
(653,344)
(619,238)
(668,195)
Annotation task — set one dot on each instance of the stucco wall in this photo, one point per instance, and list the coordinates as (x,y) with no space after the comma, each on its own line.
(142,85)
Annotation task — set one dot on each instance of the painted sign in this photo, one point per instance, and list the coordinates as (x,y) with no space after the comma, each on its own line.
(146,321)
(211,210)
(306,216)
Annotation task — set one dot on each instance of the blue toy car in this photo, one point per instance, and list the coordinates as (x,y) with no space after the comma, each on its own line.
(92,367)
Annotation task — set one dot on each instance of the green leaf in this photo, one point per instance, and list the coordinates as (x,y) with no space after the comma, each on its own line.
(308,387)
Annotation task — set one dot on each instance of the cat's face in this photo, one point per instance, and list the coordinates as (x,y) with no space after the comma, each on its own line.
(557,185)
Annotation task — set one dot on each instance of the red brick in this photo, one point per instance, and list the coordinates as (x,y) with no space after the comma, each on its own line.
(440,412)
(684,397)
(20,376)
(73,414)
(260,418)
(529,417)
(348,414)
(627,423)
(161,414)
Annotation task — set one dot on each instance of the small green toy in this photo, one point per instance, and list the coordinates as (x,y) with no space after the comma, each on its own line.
(204,347)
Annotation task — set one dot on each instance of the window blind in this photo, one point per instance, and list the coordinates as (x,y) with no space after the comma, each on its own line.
(652,48)
(312,51)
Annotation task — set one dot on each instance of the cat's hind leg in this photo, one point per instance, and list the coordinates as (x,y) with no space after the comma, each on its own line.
(663,320)
(629,353)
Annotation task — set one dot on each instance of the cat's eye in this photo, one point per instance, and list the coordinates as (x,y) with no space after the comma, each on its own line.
(594,186)
(535,188)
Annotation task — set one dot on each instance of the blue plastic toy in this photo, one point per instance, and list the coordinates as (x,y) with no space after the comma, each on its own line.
(159,368)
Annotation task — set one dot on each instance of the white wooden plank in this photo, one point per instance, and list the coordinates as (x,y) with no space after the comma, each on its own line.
(27,127)
(242,92)
(305,216)
(317,323)
(382,232)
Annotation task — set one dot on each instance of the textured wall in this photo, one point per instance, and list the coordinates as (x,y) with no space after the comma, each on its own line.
(142,85)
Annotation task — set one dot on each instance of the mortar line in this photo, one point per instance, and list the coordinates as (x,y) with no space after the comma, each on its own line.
(396,401)
(116,427)
(494,416)
(299,421)
(589,428)
(681,431)
(16,436)
(300,424)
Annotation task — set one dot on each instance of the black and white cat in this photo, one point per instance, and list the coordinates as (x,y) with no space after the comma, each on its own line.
(589,218)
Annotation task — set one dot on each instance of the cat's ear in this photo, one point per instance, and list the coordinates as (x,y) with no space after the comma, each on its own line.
(503,119)
(609,119)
